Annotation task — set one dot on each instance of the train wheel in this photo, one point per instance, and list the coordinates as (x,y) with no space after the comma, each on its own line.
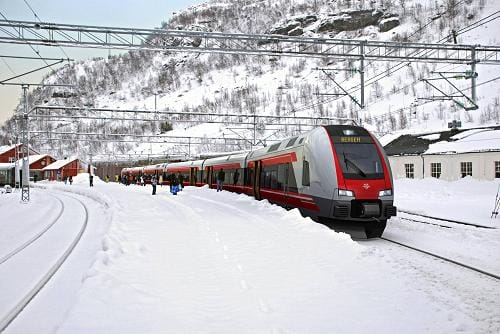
(375,230)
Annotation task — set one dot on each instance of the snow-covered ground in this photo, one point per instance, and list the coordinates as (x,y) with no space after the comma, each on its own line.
(208,262)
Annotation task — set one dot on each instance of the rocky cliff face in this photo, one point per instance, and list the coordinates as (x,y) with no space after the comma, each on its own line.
(334,23)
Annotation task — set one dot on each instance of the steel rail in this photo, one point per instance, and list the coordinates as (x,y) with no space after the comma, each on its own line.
(424,222)
(35,237)
(448,220)
(444,258)
(14,312)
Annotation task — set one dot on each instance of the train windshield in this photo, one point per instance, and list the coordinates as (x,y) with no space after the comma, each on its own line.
(359,160)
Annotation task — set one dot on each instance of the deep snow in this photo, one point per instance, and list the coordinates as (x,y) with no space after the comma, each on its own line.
(208,262)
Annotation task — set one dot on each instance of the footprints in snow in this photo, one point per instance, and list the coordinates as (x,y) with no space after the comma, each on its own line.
(244,284)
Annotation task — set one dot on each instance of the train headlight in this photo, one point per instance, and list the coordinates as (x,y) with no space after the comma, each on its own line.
(347,193)
(386,192)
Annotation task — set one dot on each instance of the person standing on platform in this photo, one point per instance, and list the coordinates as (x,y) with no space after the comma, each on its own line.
(180,177)
(153,183)
(220,179)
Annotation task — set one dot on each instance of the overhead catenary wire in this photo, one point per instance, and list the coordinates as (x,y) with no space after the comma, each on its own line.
(39,20)
(384,76)
(401,65)
(35,51)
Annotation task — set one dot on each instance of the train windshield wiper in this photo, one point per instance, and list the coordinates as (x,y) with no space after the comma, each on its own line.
(348,162)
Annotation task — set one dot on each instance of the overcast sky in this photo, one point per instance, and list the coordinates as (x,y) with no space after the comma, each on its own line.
(118,13)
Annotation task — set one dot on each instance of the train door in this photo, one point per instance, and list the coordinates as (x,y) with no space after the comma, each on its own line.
(286,170)
(209,171)
(256,180)
(192,176)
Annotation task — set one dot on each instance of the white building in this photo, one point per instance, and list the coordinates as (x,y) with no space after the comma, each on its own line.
(447,155)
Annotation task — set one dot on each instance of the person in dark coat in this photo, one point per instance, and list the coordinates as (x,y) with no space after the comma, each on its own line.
(153,183)
(91,180)
(172,180)
(180,177)
(70,180)
(220,179)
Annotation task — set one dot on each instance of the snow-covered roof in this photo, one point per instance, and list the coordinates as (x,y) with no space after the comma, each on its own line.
(387,138)
(469,141)
(6,148)
(59,164)
(6,165)
(433,136)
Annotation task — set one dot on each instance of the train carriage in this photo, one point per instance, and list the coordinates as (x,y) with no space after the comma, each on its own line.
(191,171)
(234,169)
(150,171)
(134,174)
(338,175)
(273,173)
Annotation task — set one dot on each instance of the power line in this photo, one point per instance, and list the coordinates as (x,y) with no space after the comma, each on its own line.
(389,72)
(38,18)
(31,46)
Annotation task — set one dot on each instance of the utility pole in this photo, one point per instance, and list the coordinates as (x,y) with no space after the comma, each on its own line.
(25,190)
(16,158)
(474,75)
(254,132)
(362,77)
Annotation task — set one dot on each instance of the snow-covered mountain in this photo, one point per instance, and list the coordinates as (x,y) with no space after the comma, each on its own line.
(396,97)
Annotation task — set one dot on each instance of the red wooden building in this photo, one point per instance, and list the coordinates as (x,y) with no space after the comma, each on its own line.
(64,168)
(37,164)
(8,153)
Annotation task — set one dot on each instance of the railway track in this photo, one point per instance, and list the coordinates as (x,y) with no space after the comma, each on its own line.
(36,236)
(426,219)
(440,219)
(7,318)
(495,276)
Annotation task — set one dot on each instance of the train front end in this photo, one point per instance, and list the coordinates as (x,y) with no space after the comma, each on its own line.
(363,192)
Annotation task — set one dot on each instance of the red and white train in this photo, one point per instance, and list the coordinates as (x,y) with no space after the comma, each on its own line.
(338,175)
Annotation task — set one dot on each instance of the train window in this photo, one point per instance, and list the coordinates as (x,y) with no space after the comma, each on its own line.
(273,174)
(359,160)
(282,176)
(305,174)
(291,142)
(249,180)
(269,177)
(301,140)
(273,147)
(292,183)
(263,180)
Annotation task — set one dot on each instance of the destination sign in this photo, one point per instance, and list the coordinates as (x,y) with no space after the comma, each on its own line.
(350,139)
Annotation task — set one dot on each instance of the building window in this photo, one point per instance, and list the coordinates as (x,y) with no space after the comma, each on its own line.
(497,169)
(410,171)
(466,168)
(436,170)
